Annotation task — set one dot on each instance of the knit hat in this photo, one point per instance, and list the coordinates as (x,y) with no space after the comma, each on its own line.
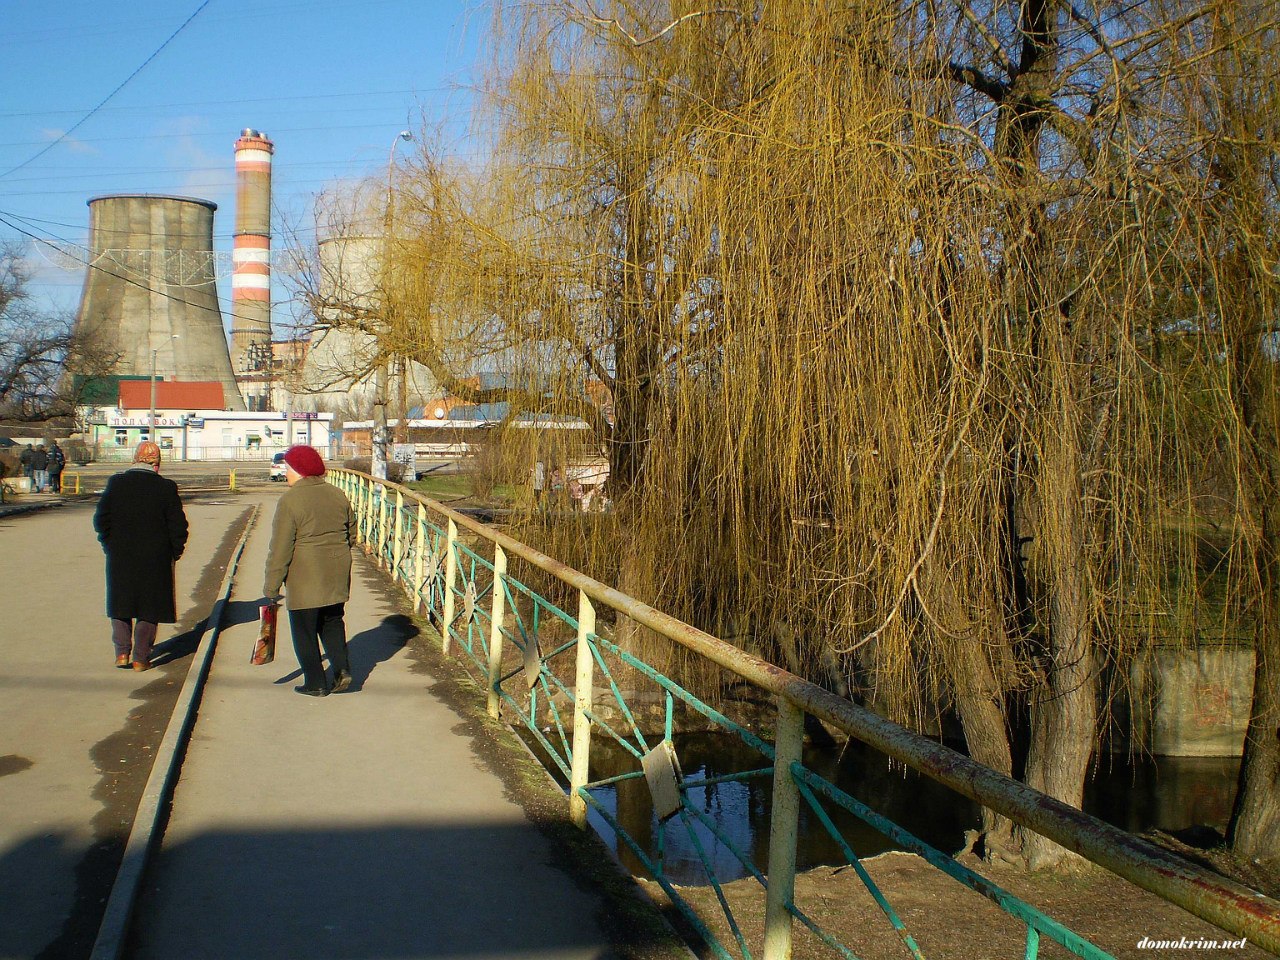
(148,452)
(305,461)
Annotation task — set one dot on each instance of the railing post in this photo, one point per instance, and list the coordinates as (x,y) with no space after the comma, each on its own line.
(450,575)
(419,565)
(366,519)
(782,832)
(583,685)
(498,614)
(397,552)
(382,525)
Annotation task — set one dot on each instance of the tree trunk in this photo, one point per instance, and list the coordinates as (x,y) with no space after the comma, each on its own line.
(979,701)
(1254,830)
(1064,706)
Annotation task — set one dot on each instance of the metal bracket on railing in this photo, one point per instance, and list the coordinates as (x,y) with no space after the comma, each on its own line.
(532,661)
(662,773)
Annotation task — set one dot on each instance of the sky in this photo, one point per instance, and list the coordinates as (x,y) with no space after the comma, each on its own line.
(331,82)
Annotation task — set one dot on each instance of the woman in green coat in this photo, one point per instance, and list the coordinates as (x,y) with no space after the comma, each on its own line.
(310,556)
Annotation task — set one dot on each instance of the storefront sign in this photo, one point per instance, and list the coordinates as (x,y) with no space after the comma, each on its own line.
(144,421)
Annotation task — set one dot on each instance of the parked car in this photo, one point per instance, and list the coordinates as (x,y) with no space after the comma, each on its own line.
(277,468)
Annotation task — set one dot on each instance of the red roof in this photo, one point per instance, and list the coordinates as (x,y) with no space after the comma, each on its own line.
(172,395)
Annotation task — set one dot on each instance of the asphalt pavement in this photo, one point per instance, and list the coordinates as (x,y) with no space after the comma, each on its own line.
(77,734)
(382,822)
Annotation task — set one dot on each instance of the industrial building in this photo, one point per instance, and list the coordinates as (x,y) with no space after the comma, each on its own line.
(187,427)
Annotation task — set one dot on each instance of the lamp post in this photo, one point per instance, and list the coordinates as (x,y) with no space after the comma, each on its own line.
(378,462)
(151,429)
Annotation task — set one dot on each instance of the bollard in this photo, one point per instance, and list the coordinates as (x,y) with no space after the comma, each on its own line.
(231,480)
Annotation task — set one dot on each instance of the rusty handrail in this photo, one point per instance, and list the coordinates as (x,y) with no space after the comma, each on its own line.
(1225,903)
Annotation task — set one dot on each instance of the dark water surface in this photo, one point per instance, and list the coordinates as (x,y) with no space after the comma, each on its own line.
(1170,793)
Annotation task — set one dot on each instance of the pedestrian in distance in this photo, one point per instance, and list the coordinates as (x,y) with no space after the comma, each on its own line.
(24,460)
(310,557)
(57,460)
(143,531)
(39,468)
(539,482)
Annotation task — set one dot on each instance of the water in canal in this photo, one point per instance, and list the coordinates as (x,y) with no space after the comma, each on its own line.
(1170,793)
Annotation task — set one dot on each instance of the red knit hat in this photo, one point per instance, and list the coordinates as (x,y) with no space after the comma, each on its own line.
(305,461)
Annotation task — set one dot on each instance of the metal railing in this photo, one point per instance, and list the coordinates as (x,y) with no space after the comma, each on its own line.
(506,633)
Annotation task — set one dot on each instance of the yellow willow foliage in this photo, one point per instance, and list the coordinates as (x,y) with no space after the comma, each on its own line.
(867,333)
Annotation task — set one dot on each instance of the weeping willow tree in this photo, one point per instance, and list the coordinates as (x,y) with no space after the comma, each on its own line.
(914,323)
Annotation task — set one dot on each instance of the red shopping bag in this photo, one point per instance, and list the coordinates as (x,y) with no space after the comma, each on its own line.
(264,649)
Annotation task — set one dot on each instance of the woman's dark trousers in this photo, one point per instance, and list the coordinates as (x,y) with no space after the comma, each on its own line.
(323,624)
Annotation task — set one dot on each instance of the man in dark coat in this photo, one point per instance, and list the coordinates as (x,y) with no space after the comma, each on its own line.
(39,468)
(143,530)
(57,460)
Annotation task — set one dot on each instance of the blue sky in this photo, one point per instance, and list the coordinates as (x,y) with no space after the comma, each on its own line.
(332,82)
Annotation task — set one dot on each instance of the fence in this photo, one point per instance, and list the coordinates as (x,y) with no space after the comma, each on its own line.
(105,452)
(546,665)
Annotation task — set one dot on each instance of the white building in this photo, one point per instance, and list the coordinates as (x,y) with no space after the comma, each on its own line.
(114,433)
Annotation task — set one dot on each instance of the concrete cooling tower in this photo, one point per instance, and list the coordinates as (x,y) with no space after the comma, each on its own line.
(151,287)
(337,374)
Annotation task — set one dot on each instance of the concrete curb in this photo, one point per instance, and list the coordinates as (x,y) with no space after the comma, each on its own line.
(164,775)
(13,510)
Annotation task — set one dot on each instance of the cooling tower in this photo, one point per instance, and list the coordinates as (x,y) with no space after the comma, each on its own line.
(151,287)
(338,370)
(251,278)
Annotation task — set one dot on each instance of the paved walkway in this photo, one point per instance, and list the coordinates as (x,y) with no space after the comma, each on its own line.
(360,825)
(77,735)
(368,824)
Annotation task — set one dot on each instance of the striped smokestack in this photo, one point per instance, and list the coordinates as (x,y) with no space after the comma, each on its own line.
(251,278)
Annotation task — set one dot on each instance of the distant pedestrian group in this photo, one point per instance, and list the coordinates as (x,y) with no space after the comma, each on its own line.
(43,466)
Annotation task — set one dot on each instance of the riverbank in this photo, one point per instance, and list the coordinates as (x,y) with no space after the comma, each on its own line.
(947,920)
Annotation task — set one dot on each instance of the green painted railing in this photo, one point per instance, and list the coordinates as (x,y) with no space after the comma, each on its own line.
(502,630)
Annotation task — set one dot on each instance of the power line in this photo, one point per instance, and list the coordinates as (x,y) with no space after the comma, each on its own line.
(151,107)
(117,276)
(103,102)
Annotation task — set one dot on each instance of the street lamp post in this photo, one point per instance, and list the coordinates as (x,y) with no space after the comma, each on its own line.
(378,465)
(151,429)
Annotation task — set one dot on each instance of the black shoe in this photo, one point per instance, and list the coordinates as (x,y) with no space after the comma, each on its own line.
(312,691)
(341,680)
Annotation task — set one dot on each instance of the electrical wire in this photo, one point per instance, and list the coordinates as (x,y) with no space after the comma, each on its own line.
(116,276)
(66,133)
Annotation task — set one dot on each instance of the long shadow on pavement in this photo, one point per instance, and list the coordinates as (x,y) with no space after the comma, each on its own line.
(348,893)
(367,649)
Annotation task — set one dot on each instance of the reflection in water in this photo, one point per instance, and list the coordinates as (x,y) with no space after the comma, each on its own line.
(1174,793)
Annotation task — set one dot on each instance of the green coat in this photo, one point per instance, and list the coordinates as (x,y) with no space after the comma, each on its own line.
(311,540)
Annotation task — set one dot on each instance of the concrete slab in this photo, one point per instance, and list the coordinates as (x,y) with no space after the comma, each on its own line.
(358,825)
(76,734)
